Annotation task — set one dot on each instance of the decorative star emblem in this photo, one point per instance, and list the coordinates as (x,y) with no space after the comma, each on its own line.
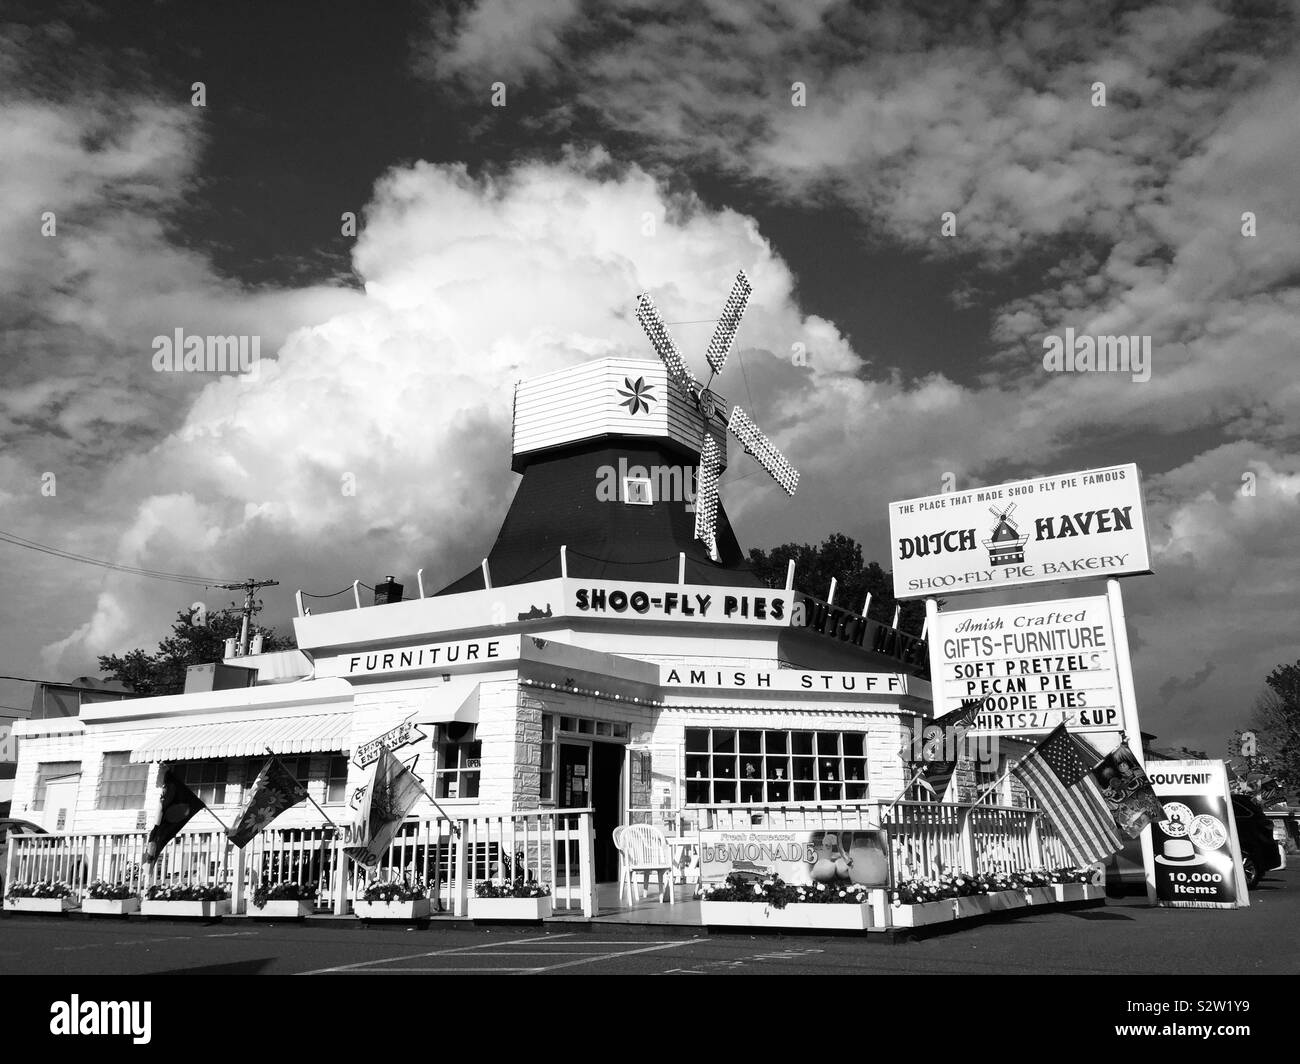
(638,395)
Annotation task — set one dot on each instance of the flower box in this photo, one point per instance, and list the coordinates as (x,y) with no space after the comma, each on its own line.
(416,909)
(928,912)
(510,908)
(1069,891)
(1039,895)
(971,905)
(111,906)
(809,916)
(1002,900)
(40,905)
(282,909)
(205,909)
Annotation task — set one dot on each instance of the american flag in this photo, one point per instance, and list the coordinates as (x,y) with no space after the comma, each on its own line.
(1057,776)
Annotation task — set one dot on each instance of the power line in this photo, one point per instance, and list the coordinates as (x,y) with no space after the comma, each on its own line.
(153,574)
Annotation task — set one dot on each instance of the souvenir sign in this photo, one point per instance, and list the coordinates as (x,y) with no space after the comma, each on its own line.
(1198,856)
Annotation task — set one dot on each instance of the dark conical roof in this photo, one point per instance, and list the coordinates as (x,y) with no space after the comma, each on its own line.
(558,504)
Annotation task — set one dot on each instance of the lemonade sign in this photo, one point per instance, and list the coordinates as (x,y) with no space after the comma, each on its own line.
(832,859)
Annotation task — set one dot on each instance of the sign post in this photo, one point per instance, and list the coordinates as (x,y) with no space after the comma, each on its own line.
(1128,706)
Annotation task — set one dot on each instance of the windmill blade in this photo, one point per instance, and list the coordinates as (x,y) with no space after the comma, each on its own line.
(725,331)
(648,315)
(706,496)
(757,444)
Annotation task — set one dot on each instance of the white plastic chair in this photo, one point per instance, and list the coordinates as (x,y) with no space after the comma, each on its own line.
(645,849)
(622,862)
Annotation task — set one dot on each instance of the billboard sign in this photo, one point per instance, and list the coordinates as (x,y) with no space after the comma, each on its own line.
(833,859)
(1072,526)
(1035,665)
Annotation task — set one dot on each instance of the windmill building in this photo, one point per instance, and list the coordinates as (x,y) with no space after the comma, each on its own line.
(613,650)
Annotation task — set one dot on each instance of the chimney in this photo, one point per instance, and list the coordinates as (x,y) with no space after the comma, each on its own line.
(388,591)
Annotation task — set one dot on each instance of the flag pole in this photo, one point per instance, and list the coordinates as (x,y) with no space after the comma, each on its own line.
(216,818)
(1011,765)
(454,826)
(906,787)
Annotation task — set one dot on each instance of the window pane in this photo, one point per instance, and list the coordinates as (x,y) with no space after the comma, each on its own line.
(751,742)
(777,742)
(548,726)
(801,742)
(724,742)
(853,744)
(697,740)
(828,742)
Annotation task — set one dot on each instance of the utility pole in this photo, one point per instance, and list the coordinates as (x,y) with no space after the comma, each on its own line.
(248,587)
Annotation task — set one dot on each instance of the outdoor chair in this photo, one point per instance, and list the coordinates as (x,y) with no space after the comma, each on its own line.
(645,849)
(618,845)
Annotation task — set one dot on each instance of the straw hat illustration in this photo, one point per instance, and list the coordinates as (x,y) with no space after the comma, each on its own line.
(1180,852)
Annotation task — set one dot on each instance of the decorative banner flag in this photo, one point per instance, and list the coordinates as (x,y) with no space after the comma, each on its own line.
(931,754)
(1056,774)
(178,807)
(392,792)
(275,790)
(1126,790)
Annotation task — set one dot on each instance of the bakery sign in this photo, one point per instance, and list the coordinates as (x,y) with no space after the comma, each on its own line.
(1072,526)
(684,602)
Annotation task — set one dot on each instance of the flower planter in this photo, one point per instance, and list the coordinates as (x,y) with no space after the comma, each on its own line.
(1001,900)
(111,906)
(929,912)
(40,905)
(1069,891)
(510,908)
(971,905)
(282,909)
(1039,895)
(1093,892)
(417,909)
(810,917)
(205,909)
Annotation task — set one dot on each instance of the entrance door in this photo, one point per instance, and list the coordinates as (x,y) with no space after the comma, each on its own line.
(591,774)
(607,798)
(60,803)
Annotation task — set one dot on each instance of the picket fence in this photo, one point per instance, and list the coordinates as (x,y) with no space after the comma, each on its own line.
(549,846)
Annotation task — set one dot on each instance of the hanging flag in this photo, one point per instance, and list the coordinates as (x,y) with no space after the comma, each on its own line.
(931,754)
(1057,775)
(1125,788)
(275,790)
(391,794)
(178,807)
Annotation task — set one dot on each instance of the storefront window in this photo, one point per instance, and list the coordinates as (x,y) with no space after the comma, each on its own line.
(755,767)
(51,770)
(122,782)
(336,782)
(459,757)
(210,780)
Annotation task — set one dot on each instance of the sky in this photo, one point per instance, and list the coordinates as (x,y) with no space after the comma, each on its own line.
(919,193)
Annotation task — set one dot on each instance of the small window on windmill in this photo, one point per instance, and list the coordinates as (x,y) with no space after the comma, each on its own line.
(636,491)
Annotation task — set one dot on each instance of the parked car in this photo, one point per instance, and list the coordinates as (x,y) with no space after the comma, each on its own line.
(1259,849)
(9,827)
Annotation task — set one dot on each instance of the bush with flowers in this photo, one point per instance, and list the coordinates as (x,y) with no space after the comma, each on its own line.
(774,891)
(515,888)
(102,890)
(186,892)
(283,892)
(922,889)
(45,888)
(408,888)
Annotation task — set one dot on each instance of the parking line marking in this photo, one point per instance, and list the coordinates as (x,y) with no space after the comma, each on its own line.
(623,953)
(435,953)
(442,971)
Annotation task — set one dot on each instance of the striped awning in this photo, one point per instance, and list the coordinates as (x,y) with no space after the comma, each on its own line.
(315,733)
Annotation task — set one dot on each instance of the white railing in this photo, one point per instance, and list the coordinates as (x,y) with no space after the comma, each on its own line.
(551,846)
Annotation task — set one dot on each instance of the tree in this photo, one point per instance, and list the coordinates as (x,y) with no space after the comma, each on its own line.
(840,556)
(1276,724)
(163,672)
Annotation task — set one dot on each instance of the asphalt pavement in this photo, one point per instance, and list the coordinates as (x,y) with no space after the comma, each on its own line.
(1124,937)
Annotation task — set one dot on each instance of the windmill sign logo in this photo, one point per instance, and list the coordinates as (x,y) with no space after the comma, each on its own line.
(1090,524)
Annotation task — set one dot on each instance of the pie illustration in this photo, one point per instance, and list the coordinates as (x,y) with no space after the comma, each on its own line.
(1178,820)
(1208,832)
